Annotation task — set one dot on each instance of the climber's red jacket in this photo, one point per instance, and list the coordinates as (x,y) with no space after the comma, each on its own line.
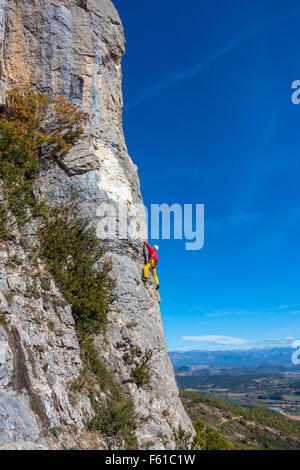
(152,253)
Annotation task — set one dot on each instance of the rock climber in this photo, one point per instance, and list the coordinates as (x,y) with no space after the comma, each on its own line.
(152,262)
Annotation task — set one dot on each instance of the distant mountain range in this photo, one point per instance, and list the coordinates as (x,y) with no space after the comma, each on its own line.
(268,358)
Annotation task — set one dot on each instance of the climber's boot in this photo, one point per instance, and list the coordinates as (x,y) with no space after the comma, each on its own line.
(157,287)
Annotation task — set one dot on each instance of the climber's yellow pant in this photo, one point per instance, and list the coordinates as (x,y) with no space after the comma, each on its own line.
(151,265)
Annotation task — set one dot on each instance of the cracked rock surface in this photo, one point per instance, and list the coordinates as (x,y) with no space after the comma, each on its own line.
(54,45)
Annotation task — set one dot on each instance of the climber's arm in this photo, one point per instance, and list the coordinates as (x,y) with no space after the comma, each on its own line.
(147,245)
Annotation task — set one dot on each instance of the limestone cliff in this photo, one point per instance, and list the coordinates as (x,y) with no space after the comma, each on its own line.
(74,47)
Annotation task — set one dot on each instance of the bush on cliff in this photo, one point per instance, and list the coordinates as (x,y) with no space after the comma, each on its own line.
(31,123)
(73,252)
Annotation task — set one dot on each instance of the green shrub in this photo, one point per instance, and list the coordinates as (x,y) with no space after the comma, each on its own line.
(5,220)
(30,124)
(210,439)
(72,250)
(141,373)
(206,439)
(3,320)
(184,440)
(13,261)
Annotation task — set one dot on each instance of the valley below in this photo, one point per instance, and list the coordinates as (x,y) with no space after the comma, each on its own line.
(251,399)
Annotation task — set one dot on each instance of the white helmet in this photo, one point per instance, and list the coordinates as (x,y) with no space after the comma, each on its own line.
(156,248)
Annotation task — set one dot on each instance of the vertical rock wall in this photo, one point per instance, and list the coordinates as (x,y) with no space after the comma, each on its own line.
(74,47)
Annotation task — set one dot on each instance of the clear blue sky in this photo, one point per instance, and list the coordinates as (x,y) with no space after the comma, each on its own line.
(209,119)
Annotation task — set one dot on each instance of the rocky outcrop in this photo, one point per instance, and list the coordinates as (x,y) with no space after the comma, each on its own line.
(39,353)
(75,47)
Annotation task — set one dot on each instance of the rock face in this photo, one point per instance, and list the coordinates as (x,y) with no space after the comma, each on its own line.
(74,47)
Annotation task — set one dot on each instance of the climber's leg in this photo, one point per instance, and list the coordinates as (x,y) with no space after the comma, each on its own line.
(155,276)
(153,268)
(146,270)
